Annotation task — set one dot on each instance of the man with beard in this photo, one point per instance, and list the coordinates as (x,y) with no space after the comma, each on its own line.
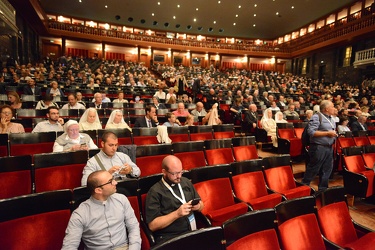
(169,211)
(54,122)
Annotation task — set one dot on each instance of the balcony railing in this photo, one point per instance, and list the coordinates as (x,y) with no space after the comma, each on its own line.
(364,57)
(361,20)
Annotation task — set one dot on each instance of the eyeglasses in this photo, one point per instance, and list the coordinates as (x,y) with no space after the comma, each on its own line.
(111,181)
(175,173)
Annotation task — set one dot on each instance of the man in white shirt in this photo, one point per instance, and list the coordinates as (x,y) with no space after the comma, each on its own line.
(116,163)
(198,111)
(54,122)
(73,103)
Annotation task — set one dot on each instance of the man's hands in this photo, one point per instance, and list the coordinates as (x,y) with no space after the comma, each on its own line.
(184,209)
(122,170)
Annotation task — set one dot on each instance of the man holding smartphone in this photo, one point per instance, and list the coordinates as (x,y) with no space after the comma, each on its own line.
(170,202)
(116,163)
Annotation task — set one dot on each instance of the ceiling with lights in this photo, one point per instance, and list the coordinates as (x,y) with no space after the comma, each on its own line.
(253,19)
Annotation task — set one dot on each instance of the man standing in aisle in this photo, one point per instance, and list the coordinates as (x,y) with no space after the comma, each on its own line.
(322,137)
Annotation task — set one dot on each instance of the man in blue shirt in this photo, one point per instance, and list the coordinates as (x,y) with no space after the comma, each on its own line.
(322,136)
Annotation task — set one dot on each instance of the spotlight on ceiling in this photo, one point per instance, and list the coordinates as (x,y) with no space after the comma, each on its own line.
(143,20)
(117,17)
(166,24)
(221,30)
(210,29)
(200,28)
(155,23)
(130,19)
(178,26)
(189,27)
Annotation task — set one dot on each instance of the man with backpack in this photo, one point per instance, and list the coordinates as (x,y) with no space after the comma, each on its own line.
(322,134)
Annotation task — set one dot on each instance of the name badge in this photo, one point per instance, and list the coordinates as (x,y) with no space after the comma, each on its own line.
(193,224)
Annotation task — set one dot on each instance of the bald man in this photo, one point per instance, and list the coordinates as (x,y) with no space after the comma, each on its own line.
(169,211)
(198,111)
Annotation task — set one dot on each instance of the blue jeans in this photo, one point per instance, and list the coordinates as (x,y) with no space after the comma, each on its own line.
(321,161)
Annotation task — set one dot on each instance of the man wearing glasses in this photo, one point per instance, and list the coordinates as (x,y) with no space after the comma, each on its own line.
(116,163)
(105,221)
(54,122)
(169,209)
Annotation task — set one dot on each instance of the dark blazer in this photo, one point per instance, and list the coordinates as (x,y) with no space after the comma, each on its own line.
(140,122)
(27,90)
(251,118)
(357,127)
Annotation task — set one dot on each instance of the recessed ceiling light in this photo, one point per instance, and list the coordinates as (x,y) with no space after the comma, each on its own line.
(178,6)
(106,6)
(234,24)
(194,19)
(237,15)
(158,3)
(174,17)
(152,14)
(239,6)
(292,7)
(196,9)
(255,14)
(219,2)
(80,1)
(214,22)
(277,13)
(255,5)
(254,25)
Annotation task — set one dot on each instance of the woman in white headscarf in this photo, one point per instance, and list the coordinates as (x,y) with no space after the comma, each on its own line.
(269,124)
(116,120)
(72,139)
(90,120)
(279,117)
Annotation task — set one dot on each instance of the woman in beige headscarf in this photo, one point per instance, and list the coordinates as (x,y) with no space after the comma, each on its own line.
(90,120)
(269,124)
(116,120)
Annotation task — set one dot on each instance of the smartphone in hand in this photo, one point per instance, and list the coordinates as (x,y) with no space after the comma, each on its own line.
(195,201)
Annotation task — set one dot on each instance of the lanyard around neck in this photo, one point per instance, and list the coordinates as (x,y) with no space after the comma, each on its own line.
(182,199)
(328,121)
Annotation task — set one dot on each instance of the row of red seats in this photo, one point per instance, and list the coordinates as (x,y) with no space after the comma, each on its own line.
(14,144)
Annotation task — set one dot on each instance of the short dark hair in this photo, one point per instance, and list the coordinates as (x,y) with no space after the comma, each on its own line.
(107,134)
(51,107)
(148,108)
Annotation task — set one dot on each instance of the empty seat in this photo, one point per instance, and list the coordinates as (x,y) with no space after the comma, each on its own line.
(244,148)
(36,221)
(34,144)
(279,177)
(298,225)
(249,185)
(288,143)
(15,174)
(149,158)
(201,133)
(218,151)
(190,153)
(214,188)
(56,171)
(253,230)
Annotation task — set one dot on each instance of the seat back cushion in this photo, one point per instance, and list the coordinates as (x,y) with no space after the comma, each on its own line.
(280,178)
(336,224)
(301,232)
(263,240)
